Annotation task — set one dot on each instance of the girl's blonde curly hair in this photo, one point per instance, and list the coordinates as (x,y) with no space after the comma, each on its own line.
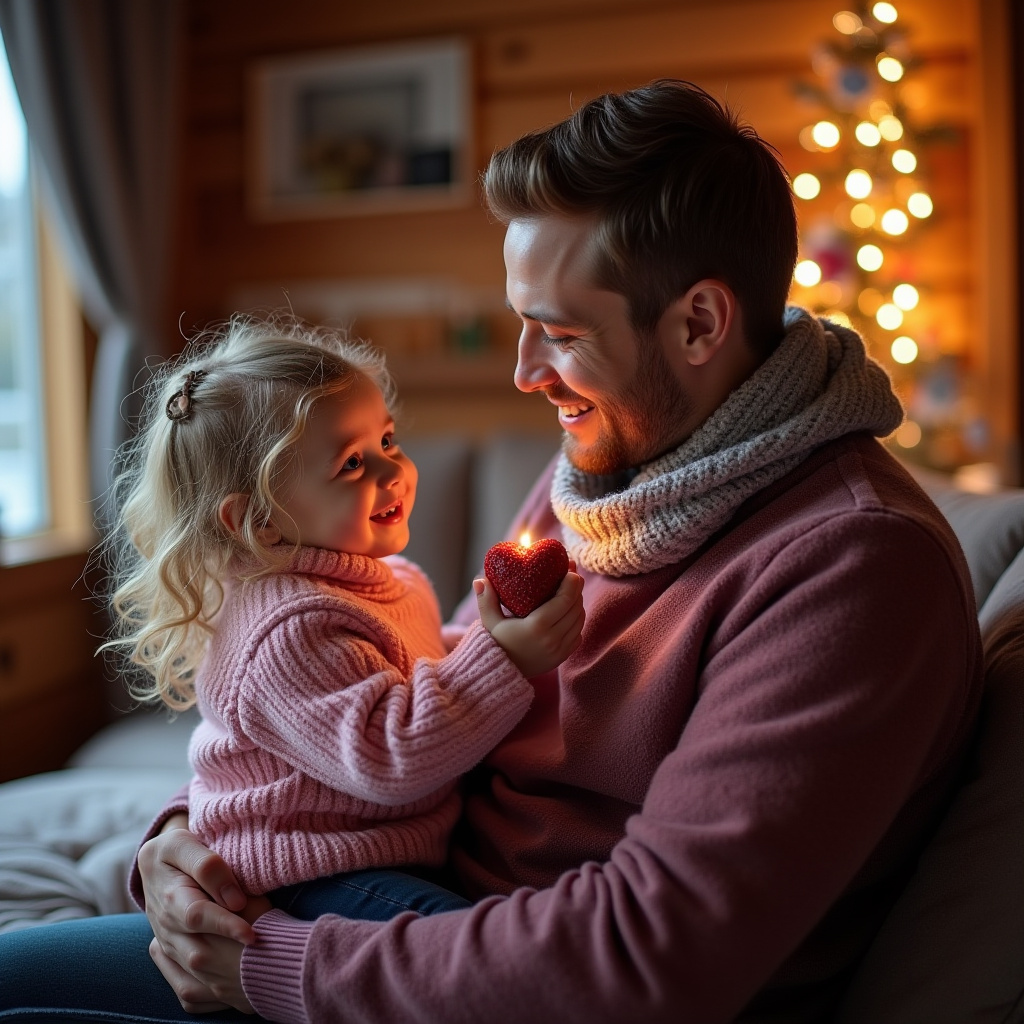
(230,427)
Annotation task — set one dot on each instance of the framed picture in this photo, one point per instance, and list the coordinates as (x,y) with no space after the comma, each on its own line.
(359,131)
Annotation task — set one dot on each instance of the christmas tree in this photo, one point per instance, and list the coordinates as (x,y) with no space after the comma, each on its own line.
(865,213)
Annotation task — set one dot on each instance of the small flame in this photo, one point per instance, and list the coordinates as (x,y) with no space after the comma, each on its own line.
(524,539)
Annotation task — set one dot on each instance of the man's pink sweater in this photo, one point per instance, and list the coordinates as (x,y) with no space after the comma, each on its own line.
(716,796)
(335,725)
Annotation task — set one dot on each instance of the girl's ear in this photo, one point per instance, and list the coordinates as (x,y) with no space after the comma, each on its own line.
(231,513)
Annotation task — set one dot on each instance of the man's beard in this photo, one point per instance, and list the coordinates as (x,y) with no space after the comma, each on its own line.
(653,411)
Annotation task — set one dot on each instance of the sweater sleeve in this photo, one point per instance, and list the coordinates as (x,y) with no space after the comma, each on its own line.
(820,713)
(340,712)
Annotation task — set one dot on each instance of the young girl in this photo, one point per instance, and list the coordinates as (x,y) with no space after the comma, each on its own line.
(260,515)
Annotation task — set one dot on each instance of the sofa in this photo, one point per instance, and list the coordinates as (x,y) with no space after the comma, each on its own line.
(950,952)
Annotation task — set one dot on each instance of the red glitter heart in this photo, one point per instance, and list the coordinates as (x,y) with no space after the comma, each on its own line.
(526,577)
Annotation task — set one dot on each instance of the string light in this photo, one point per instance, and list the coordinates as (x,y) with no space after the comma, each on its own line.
(906,296)
(867,134)
(858,184)
(904,350)
(884,13)
(807,273)
(890,128)
(889,67)
(894,222)
(825,134)
(869,257)
(806,185)
(908,435)
(888,316)
(920,204)
(904,161)
(847,22)
(863,215)
(869,300)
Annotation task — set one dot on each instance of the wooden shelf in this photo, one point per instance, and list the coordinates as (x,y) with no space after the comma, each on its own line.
(453,373)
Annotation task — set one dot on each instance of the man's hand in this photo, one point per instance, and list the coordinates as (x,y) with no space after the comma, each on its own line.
(547,636)
(193,904)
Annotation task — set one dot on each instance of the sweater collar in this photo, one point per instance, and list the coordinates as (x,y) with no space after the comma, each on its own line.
(818,385)
(359,573)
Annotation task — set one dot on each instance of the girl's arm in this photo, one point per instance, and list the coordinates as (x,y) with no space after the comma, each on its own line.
(337,710)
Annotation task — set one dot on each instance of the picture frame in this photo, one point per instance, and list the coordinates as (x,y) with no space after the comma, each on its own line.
(361,131)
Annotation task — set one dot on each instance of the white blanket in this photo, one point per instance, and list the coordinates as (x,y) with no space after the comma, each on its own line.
(67,840)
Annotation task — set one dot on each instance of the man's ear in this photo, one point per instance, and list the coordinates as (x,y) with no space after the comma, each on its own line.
(700,321)
(232,511)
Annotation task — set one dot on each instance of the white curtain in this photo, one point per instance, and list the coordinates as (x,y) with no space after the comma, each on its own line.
(97,84)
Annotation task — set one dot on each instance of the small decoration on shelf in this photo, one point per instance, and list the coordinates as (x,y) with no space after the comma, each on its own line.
(526,575)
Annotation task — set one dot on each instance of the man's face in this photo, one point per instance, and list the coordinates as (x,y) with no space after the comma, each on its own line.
(619,401)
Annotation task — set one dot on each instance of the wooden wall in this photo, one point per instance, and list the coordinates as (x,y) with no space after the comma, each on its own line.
(533,61)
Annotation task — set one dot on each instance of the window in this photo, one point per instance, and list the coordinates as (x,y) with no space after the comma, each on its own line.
(44,506)
(23,497)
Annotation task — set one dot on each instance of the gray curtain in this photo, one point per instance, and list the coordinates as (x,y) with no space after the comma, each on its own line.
(96,80)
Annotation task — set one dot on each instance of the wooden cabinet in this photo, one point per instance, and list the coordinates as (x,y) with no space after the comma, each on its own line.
(51,685)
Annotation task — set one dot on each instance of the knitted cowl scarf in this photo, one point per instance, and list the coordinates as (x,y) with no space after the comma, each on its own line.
(818,385)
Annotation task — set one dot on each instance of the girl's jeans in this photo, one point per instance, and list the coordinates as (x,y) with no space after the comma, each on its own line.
(99,969)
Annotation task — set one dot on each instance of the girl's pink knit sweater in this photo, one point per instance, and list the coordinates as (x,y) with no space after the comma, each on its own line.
(334,723)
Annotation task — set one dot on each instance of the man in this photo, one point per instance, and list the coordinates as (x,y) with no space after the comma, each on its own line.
(711,805)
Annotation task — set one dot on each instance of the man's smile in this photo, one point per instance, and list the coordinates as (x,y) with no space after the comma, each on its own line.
(574,413)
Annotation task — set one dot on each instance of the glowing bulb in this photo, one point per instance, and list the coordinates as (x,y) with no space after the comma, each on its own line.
(869,257)
(806,186)
(830,293)
(825,134)
(904,161)
(890,128)
(867,134)
(524,539)
(869,300)
(894,222)
(888,316)
(863,215)
(906,296)
(889,68)
(920,204)
(908,435)
(858,184)
(884,13)
(807,273)
(904,350)
(806,138)
(847,22)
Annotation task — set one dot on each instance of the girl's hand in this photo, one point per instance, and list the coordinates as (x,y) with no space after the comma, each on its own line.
(547,636)
(193,904)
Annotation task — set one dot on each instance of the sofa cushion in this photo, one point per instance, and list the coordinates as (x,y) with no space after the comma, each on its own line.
(990,527)
(439,526)
(952,948)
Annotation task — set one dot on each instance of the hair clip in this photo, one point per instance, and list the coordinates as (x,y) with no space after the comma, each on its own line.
(179,405)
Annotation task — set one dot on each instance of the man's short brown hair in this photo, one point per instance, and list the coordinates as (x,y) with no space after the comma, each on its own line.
(680,190)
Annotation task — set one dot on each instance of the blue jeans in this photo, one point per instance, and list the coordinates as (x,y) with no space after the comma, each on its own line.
(98,969)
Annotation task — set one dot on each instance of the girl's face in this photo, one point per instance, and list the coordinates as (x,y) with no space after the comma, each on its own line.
(352,488)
